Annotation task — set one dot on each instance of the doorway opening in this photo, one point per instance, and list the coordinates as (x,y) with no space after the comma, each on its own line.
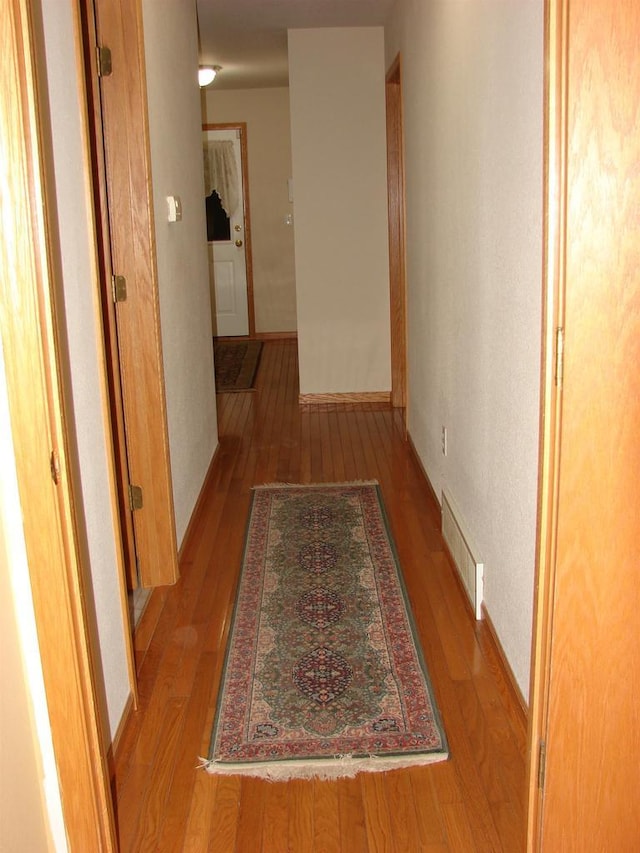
(228,229)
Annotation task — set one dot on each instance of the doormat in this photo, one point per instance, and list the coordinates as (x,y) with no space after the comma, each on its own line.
(323,675)
(236,363)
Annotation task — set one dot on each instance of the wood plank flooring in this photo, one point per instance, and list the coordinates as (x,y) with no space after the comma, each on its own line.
(473,802)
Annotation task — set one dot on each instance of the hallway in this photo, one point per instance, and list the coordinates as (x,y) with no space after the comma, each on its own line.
(474,801)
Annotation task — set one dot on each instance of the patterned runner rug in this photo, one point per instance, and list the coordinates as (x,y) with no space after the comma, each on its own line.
(236,363)
(323,676)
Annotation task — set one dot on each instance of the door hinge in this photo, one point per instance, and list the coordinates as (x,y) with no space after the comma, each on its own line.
(559,372)
(135,497)
(542,763)
(105,67)
(119,288)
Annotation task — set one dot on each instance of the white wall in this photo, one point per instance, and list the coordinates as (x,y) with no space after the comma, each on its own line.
(85,348)
(473,89)
(336,84)
(183,276)
(266,112)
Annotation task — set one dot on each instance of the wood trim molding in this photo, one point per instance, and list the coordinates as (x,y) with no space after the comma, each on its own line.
(276,336)
(199,502)
(46,468)
(144,629)
(260,336)
(423,471)
(129,707)
(244,157)
(361,398)
(516,699)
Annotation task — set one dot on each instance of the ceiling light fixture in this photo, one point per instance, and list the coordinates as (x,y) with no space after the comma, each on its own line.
(207,74)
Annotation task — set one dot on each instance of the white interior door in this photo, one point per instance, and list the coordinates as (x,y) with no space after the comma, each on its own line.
(227,257)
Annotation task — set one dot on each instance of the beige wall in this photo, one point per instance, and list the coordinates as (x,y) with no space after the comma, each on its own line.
(30,808)
(266,112)
(473,85)
(23,821)
(183,274)
(336,80)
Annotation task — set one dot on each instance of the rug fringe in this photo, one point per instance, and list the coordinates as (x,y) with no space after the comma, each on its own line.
(340,767)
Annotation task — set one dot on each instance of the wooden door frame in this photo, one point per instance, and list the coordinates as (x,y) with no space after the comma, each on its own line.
(397,230)
(241,126)
(554,250)
(586,584)
(36,364)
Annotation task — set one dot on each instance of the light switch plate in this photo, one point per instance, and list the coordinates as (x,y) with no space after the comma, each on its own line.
(174,208)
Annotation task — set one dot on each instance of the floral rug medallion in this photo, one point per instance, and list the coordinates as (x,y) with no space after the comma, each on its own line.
(323,675)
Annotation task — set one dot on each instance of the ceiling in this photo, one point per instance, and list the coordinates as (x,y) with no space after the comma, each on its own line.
(248,38)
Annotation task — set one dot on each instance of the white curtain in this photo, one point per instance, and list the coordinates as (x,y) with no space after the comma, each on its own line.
(221,174)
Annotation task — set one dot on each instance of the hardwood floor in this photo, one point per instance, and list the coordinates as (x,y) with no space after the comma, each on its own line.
(473,802)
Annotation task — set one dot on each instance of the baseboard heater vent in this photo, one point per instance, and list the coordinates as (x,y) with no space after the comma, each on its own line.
(469,565)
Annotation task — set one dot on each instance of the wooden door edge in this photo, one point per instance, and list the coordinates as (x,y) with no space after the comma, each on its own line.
(93,193)
(169,573)
(133,247)
(554,231)
(88,72)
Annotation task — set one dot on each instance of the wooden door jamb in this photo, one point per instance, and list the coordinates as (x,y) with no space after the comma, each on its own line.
(397,232)
(553,283)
